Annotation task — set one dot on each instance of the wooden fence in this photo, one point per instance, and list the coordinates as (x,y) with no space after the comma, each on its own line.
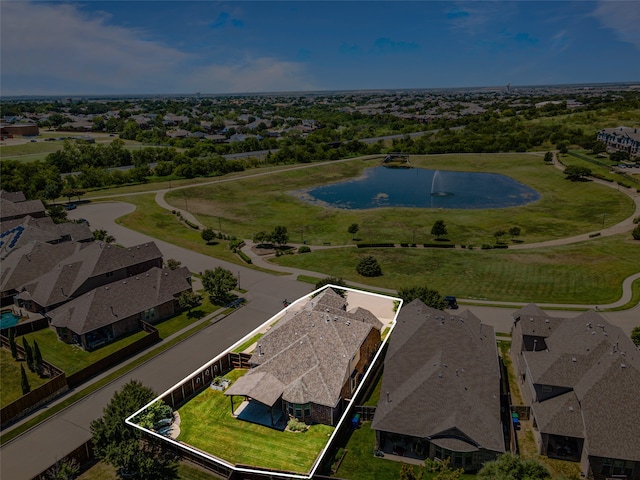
(27,327)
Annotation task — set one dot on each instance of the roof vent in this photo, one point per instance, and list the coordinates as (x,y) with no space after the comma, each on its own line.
(439,375)
(622,365)
(546,320)
(573,359)
(571,409)
(347,323)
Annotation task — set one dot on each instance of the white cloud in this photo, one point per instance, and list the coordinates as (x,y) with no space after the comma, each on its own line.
(623,17)
(52,48)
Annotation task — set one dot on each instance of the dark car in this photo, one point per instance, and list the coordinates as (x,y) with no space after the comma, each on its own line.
(451,302)
(70,206)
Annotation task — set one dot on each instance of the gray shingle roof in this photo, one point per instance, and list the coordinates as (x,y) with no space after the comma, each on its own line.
(307,354)
(602,367)
(9,209)
(119,300)
(67,277)
(441,374)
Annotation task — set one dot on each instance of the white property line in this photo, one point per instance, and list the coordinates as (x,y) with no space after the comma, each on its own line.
(273,319)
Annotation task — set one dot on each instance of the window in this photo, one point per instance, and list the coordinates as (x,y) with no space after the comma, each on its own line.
(307,410)
(617,467)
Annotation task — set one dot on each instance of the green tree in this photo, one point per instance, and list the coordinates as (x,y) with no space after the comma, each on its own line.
(52,191)
(619,156)
(512,467)
(499,234)
(173,264)
(262,237)
(28,353)
(443,470)
(576,173)
(66,469)
(24,381)
(353,229)
(208,235)
(189,300)
(636,233)
(72,192)
(333,281)
(635,336)
(153,414)
(514,232)
(37,358)
(439,228)
(133,454)
(548,157)
(598,147)
(429,297)
(408,472)
(280,235)
(12,343)
(57,213)
(218,283)
(102,235)
(369,267)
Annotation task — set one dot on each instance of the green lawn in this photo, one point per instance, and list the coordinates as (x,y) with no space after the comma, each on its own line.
(10,378)
(186,471)
(565,209)
(361,464)
(589,272)
(206,423)
(71,358)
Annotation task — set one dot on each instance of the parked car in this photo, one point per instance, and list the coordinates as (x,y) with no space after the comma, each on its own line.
(70,206)
(451,302)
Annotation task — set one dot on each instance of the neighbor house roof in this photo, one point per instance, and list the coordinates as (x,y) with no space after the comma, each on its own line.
(441,380)
(10,209)
(32,261)
(120,300)
(18,232)
(307,356)
(64,280)
(600,366)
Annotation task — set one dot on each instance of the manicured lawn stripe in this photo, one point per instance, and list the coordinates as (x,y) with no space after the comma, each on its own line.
(206,423)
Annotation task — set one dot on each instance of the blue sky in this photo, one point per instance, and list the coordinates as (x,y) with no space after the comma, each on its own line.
(156,47)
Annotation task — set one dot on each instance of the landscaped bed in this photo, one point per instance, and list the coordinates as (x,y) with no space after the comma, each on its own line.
(206,423)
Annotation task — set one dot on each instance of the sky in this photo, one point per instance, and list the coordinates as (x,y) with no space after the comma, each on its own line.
(184,47)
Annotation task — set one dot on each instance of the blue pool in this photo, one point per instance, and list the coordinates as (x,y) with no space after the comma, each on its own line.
(8,320)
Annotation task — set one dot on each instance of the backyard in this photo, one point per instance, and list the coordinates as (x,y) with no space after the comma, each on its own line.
(207,424)
(10,375)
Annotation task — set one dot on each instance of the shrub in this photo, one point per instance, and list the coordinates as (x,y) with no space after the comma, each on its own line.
(486,246)
(192,225)
(636,233)
(597,234)
(304,249)
(296,425)
(244,256)
(369,267)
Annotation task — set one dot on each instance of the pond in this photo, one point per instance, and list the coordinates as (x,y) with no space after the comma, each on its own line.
(421,188)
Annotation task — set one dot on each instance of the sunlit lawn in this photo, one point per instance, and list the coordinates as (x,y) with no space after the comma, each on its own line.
(207,424)
(586,273)
(10,377)
(565,208)
(71,358)
(186,471)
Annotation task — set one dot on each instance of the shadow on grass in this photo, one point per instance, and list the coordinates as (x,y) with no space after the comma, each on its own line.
(196,314)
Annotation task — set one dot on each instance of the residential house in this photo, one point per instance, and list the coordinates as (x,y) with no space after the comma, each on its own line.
(440,395)
(621,139)
(12,206)
(93,266)
(581,377)
(19,232)
(111,311)
(29,262)
(309,364)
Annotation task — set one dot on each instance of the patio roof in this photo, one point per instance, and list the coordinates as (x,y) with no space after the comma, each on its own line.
(454,444)
(261,386)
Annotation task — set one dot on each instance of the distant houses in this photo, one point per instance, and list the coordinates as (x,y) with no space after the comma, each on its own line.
(581,378)
(623,139)
(440,395)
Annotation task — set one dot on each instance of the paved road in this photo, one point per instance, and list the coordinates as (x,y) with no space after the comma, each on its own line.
(64,432)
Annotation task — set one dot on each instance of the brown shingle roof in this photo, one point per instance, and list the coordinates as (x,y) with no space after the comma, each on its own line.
(441,374)
(119,300)
(602,367)
(308,352)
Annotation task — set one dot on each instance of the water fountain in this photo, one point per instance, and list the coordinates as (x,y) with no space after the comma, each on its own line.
(439,192)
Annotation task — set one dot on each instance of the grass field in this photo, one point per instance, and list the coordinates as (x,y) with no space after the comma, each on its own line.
(206,423)
(586,273)
(186,471)
(10,377)
(565,209)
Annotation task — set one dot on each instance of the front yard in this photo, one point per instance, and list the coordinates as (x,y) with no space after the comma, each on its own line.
(206,423)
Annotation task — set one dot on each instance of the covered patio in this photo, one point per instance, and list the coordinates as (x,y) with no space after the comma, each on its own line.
(263,400)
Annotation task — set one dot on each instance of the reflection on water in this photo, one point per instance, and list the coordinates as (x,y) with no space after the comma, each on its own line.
(421,188)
